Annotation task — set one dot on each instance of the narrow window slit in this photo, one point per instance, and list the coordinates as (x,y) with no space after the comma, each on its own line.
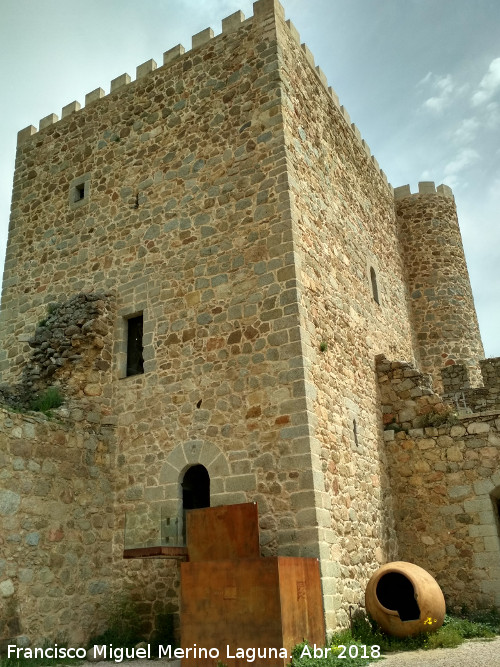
(135,359)
(373,278)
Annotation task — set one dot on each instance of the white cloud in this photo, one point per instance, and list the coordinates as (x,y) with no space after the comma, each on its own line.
(466,131)
(494,191)
(443,87)
(425,80)
(489,84)
(492,115)
(466,158)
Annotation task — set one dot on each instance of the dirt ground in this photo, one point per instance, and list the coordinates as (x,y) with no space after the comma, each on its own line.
(470,654)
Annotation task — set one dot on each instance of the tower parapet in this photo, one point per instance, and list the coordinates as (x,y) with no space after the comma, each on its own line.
(262,9)
(457,387)
(442,305)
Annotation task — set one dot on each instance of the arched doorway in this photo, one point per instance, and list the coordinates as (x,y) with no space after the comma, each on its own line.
(196,488)
(195,491)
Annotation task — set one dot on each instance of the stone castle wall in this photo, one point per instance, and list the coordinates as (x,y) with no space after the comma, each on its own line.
(59,570)
(184,218)
(444,472)
(56,527)
(228,199)
(442,306)
(343,227)
(459,392)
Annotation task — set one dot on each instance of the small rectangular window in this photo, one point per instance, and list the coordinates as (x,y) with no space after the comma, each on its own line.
(79,192)
(135,360)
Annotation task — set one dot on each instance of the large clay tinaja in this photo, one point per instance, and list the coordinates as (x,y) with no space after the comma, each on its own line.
(405,599)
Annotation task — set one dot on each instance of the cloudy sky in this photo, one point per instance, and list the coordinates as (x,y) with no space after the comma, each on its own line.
(420,78)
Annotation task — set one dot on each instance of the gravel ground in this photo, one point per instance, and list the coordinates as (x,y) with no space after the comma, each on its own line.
(470,654)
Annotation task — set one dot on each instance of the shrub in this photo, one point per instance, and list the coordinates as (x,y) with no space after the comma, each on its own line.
(488,618)
(123,625)
(446,637)
(47,400)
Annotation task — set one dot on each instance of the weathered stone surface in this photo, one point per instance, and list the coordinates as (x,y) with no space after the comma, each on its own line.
(7,588)
(446,496)
(9,502)
(227,199)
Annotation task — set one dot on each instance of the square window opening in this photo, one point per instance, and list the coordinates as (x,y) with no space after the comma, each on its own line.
(79,192)
(135,358)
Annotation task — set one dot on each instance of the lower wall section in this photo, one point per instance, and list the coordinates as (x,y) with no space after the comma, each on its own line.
(56,528)
(446,479)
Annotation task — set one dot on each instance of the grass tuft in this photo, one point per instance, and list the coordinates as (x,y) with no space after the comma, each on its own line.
(46,401)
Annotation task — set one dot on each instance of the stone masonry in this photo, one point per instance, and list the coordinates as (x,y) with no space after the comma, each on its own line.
(226,199)
(445,473)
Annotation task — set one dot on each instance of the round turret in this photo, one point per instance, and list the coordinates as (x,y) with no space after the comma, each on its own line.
(445,325)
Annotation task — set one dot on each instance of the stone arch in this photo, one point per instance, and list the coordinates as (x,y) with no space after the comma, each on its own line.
(182,457)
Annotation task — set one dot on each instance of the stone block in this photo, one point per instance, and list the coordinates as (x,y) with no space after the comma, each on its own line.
(322,76)
(264,8)
(119,82)
(233,21)
(219,467)
(335,98)
(177,458)
(478,505)
(445,191)
(202,37)
(192,451)
(345,114)
(459,491)
(356,131)
(70,108)
(218,499)
(48,120)
(7,588)
(93,96)
(24,134)
(486,559)
(308,54)
(427,188)
(402,191)
(483,487)
(173,53)
(293,32)
(478,427)
(235,483)
(9,502)
(492,543)
(145,69)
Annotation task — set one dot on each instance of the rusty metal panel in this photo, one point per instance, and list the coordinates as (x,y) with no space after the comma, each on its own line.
(250,604)
(228,532)
(230,603)
(301,601)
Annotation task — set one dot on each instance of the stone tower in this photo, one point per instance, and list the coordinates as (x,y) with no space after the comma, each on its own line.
(444,318)
(236,245)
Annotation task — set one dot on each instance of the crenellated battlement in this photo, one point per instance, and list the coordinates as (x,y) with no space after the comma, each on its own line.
(424,188)
(231,23)
(457,386)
